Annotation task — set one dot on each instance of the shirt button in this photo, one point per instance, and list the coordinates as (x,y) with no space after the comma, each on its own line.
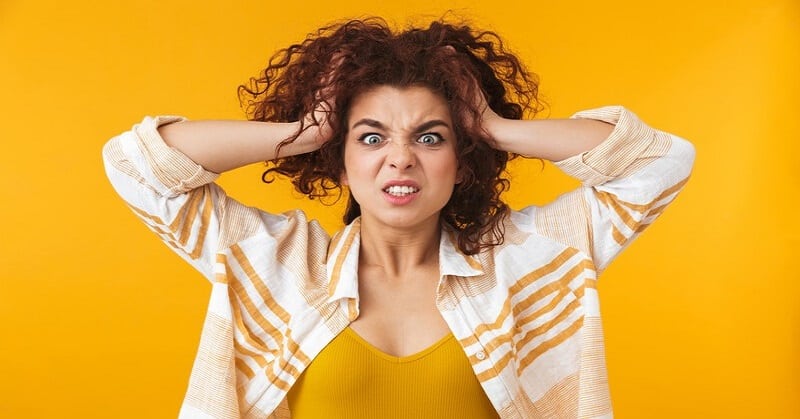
(480,355)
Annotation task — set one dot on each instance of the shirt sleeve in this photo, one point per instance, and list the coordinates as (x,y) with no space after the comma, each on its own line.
(627,182)
(177,199)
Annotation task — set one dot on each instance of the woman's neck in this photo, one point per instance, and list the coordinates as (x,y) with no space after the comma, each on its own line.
(399,250)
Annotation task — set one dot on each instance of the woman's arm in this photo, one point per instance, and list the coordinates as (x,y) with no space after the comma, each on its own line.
(176,197)
(550,139)
(629,173)
(219,146)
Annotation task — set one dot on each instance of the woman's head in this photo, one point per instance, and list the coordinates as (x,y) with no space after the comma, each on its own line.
(400,156)
(341,62)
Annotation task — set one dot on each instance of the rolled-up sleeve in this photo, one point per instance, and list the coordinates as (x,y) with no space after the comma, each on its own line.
(174,196)
(627,182)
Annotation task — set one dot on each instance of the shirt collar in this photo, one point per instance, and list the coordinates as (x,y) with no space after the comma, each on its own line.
(452,261)
(342,262)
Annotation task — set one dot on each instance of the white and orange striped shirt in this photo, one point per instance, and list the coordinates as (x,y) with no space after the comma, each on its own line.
(525,312)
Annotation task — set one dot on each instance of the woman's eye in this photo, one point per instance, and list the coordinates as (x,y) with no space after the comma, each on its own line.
(370,139)
(430,139)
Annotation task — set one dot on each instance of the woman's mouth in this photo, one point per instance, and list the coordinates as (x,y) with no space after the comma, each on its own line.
(401,190)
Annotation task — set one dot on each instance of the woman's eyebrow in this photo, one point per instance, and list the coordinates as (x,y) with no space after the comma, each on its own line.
(430,124)
(425,126)
(368,122)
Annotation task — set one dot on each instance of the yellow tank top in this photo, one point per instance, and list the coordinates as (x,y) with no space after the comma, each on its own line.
(352,379)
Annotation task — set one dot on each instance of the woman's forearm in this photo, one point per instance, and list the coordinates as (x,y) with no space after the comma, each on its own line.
(550,139)
(220,146)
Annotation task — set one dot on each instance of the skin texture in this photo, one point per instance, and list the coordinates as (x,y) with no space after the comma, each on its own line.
(385,145)
(398,264)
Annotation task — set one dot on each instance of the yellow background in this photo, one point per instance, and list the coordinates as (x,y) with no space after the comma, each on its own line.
(99,319)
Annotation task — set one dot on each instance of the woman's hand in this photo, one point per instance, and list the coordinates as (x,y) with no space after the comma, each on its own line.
(316,125)
(490,120)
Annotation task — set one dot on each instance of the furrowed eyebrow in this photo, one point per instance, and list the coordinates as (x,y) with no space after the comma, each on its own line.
(370,123)
(430,124)
(419,130)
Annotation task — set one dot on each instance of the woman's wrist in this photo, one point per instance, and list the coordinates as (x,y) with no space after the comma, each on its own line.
(549,139)
(509,135)
(309,139)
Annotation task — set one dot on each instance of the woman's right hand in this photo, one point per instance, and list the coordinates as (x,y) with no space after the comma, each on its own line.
(316,124)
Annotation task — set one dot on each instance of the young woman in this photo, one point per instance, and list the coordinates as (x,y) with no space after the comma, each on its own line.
(435,300)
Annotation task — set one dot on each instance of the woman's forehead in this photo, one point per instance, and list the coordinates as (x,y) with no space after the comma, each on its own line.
(400,106)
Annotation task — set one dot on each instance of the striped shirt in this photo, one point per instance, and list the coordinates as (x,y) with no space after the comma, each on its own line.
(525,312)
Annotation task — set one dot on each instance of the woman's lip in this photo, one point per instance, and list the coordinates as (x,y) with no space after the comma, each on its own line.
(409,183)
(400,199)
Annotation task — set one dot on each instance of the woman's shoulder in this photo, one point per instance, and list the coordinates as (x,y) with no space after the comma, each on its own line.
(289,229)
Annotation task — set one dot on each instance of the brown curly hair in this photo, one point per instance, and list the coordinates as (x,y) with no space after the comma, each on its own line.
(343,60)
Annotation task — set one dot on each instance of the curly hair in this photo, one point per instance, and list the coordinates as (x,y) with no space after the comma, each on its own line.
(343,60)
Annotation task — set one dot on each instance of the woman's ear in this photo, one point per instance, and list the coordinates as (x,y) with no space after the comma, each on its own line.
(459,175)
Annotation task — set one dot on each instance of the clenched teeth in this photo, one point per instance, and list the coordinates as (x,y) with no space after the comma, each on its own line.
(401,190)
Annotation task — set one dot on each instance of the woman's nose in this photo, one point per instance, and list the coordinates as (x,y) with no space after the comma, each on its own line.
(401,156)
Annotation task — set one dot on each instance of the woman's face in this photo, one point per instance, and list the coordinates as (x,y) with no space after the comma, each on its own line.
(399,157)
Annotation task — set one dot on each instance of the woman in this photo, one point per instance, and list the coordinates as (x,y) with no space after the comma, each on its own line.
(435,299)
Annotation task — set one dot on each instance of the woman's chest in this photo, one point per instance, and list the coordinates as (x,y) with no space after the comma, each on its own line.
(399,316)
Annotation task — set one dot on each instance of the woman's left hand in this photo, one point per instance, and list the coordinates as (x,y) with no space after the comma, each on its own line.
(490,120)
